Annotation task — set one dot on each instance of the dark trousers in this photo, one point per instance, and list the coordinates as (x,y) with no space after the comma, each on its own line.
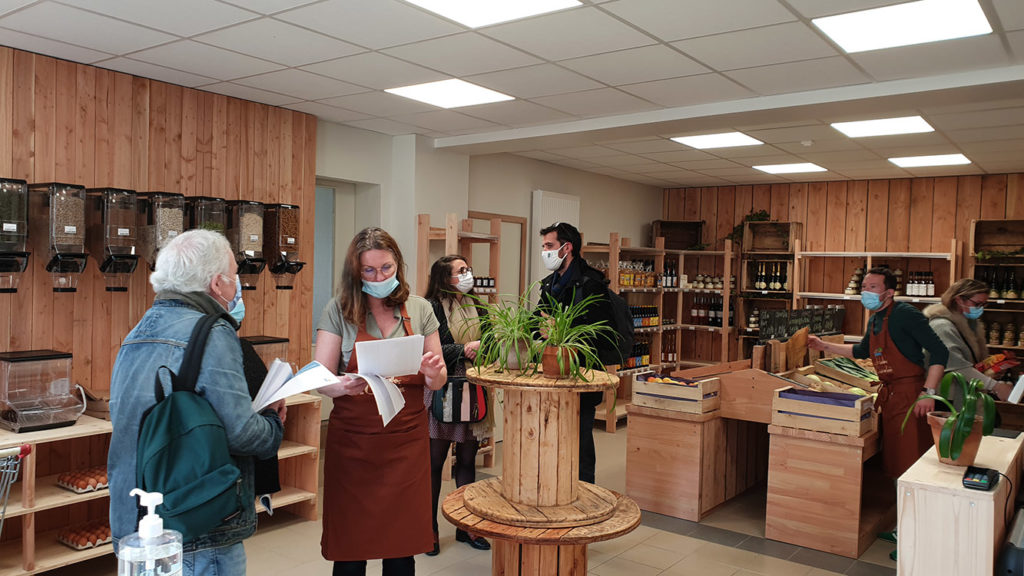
(588,454)
(465,466)
(405,566)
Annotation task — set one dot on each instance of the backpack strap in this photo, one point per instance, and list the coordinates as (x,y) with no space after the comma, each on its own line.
(406,320)
(188,372)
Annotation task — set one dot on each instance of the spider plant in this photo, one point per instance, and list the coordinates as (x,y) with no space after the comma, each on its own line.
(570,340)
(959,423)
(507,343)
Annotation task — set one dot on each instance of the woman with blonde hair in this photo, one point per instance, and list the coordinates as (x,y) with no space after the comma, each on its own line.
(956,321)
(376,477)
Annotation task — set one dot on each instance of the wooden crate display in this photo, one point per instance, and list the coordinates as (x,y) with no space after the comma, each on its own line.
(845,378)
(676,394)
(678,234)
(997,235)
(771,236)
(832,412)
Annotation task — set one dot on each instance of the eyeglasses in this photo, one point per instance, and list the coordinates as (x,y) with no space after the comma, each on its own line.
(976,304)
(461,271)
(369,272)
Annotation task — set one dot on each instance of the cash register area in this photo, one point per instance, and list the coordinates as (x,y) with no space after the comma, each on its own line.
(729,542)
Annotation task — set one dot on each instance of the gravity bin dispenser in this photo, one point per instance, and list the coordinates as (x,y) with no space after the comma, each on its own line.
(161,218)
(36,392)
(112,234)
(13,233)
(206,213)
(281,243)
(245,232)
(65,206)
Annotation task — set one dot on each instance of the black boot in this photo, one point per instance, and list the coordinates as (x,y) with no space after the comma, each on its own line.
(437,547)
(477,542)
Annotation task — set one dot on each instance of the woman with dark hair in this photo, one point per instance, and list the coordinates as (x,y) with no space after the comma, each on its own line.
(460,323)
(956,321)
(376,478)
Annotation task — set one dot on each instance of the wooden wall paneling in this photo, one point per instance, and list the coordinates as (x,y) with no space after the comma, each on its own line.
(706,348)
(673,200)
(1014,197)
(993,196)
(156,174)
(44,94)
(856,215)
(189,142)
(173,96)
(968,207)
(944,210)
(876,215)
(85,126)
(309,196)
(6,157)
(291,180)
(691,204)
(257,161)
(122,113)
(22,166)
(798,203)
(233,152)
(140,134)
(814,234)
(835,234)
(271,320)
(744,204)
(219,147)
(204,145)
(898,227)
(762,198)
(922,197)
(780,202)
(66,88)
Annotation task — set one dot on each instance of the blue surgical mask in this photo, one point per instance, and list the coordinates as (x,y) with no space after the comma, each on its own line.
(974,312)
(381,289)
(238,311)
(870,300)
(238,295)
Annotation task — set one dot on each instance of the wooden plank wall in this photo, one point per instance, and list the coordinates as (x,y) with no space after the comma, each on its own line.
(67,122)
(914,214)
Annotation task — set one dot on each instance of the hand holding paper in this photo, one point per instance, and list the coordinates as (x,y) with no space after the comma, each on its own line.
(380,360)
(280,383)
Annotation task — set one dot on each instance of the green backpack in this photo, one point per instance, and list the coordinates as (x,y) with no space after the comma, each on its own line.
(183,449)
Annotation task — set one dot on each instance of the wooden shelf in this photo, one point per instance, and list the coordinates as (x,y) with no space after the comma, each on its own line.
(287,496)
(85,426)
(49,495)
(702,290)
(595,249)
(640,370)
(695,252)
(703,328)
(932,255)
(641,251)
(828,296)
(1005,347)
(50,554)
(476,237)
(290,449)
(694,362)
(631,289)
(620,410)
(647,329)
(917,299)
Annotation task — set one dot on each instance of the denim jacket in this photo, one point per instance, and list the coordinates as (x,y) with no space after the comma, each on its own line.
(160,339)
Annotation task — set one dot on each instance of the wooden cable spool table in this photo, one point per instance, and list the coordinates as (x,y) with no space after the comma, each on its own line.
(540,516)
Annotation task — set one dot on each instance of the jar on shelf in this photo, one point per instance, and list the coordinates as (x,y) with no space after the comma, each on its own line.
(1010,334)
(65,205)
(245,233)
(112,216)
(995,334)
(13,232)
(207,213)
(161,218)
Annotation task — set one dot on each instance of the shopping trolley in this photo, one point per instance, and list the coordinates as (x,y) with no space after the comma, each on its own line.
(10,463)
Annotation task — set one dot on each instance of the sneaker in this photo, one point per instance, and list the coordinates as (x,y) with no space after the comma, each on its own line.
(888,536)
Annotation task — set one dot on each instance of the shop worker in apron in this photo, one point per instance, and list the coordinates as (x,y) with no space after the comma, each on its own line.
(376,478)
(897,336)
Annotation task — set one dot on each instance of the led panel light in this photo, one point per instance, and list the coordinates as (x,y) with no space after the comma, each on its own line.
(789,168)
(884,127)
(905,24)
(450,93)
(723,140)
(937,160)
(477,13)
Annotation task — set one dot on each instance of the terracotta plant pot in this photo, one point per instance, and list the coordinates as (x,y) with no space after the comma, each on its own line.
(549,362)
(971,444)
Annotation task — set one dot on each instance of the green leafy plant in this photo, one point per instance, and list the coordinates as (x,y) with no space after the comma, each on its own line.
(737,231)
(508,339)
(982,255)
(572,339)
(959,424)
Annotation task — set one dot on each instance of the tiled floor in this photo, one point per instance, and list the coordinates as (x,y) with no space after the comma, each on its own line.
(730,542)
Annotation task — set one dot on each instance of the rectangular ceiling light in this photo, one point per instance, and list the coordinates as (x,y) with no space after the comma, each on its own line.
(884,127)
(477,13)
(450,93)
(905,24)
(723,140)
(789,168)
(938,160)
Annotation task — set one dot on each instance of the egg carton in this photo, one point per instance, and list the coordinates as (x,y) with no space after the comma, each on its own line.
(85,536)
(84,481)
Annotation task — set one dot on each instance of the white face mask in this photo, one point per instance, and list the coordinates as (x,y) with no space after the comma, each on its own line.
(552,261)
(465,282)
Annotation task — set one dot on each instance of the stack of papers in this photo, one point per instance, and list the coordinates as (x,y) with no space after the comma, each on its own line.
(281,383)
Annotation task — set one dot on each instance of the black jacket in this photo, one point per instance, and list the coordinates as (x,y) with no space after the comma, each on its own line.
(450,349)
(585,281)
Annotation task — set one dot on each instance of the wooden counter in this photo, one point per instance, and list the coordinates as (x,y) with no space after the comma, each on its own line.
(945,528)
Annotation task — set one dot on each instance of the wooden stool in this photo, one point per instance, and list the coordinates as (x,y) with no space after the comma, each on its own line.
(539,514)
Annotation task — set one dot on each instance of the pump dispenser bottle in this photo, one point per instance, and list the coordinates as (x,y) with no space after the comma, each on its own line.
(152,551)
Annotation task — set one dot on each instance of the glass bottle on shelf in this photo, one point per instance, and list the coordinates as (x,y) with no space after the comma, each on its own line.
(785,277)
(993,287)
(899,281)
(929,284)
(1011,287)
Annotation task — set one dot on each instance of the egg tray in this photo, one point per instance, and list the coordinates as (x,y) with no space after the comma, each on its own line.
(85,536)
(84,481)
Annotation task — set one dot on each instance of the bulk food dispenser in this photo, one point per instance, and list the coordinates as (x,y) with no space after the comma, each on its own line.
(35,391)
(65,205)
(245,232)
(206,213)
(161,218)
(281,243)
(13,232)
(112,234)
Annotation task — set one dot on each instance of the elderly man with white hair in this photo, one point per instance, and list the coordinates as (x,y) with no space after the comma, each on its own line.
(194,277)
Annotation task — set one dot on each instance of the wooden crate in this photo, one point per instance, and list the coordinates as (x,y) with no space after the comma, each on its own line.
(855,418)
(999,235)
(771,236)
(696,397)
(678,234)
(845,378)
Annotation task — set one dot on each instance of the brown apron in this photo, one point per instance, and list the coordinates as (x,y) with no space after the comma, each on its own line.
(376,479)
(902,382)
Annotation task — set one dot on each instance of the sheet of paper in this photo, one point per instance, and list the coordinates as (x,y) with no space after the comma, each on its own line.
(386,394)
(310,377)
(1018,391)
(390,356)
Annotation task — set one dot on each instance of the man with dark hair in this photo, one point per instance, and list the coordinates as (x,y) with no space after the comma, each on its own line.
(572,280)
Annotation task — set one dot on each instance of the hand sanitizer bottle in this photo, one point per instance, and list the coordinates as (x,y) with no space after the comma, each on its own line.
(152,551)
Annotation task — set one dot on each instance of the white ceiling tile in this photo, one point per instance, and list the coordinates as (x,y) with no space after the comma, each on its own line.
(757,47)
(303,85)
(800,76)
(925,150)
(689,90)
(540,155)
(621,160)
(995,103)
(798,133)
(706,164)
(757,177)
(68,24)
(681,154)
(1015,147)
(534,81)
(635,65)
(279,42)
(937,171)
(463,54)
(577,164)
(737,171)
(375,70)
(1016,42)
(371,23)
(177,17)
(643,146)
(659,170)
(843,156)
(977,119)
(325,112)
(269,6)
(923,139)
(12,5)
(1008,132)
(838,145)
(890,171)
(205,60)
(677,19)
(447,121)
(379,104)
(384,126)
(49,47)
(601,102)
(248,93)
(147,70)
(569,34)
(585,152)
(517,113)
(739,153)
(1011,13)
(817,8)
(933,58)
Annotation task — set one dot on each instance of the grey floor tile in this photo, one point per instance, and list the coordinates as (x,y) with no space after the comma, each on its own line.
(868,569)
(770,548)
(718,535)
(668,523)
(823,560)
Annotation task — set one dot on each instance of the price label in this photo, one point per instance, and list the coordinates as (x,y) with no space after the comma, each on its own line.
(847,297)
(711,329)
(71,229)
(124,231)
(10,226)
(1000,301)
(915,299)
(692,328)
(250,253)
(290,240)
(764,291)
(172,233)
(254,237)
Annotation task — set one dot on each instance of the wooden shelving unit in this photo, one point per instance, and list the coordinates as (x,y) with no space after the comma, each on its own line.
(695,344)
(1003,236)
(38,508)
